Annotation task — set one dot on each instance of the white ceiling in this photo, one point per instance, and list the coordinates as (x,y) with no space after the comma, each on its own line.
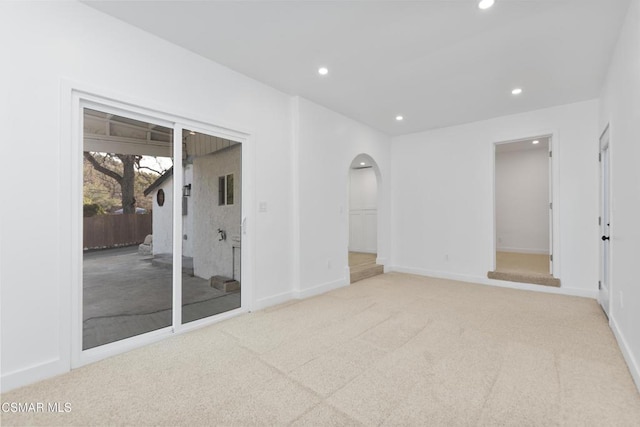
(436,62)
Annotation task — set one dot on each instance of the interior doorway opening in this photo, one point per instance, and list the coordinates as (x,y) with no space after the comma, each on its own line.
(524,211)
(363,218)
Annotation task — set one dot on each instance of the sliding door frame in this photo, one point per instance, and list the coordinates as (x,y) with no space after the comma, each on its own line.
(75,99)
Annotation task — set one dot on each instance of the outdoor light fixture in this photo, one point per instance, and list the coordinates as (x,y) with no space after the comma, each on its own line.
(192,132)
(323,71)
(516,91)
(186,190)
(536,142)
(485,4)
(399,118)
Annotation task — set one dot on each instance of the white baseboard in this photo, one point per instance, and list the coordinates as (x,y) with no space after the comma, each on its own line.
(632,363)
(499,283)
(525,251)
(321,289)
(272,300)
(33,374)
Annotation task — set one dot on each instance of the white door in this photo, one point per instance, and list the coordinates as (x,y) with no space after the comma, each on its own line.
(604,295)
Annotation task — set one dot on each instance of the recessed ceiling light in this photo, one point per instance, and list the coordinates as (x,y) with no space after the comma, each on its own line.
(323,71)
(536,142)
(516,91)
(362,163)
(399,118)
(485,4)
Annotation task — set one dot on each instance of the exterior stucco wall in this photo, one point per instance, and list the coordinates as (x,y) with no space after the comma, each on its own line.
(213,257)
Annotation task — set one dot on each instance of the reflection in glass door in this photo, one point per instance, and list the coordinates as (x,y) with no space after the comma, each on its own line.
(127,228)
(211,216)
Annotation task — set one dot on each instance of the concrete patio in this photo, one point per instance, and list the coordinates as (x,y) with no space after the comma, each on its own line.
(126,295)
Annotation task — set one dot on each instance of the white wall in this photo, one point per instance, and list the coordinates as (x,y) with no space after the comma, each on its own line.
(445,227)
(363,210)
(57,42)
(522,201)
(325,145)
(620,108)
(162,224)
(213,257)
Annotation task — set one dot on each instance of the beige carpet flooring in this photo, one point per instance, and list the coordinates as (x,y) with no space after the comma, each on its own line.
(394,350)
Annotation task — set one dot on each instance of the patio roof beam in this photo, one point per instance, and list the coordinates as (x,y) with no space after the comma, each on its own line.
(120,145)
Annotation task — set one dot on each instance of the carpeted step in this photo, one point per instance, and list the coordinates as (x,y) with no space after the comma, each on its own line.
(365,272)
(533,278)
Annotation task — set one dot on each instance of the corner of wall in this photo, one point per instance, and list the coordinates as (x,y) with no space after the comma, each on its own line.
(295,192)
(632,363)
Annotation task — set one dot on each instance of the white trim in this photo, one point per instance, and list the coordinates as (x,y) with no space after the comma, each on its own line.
(604,153)
(321,289)
(107,350)
(208,321)
(632,363)
(33,374)
(176,264)
(263,303)
(295,201)
(159,112)
(524,251)
(586,293)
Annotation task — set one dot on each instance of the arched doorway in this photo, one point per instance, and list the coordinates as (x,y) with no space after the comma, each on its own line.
(364,177)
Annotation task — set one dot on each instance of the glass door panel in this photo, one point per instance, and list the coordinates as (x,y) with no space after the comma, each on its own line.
(211,216)
(127,228)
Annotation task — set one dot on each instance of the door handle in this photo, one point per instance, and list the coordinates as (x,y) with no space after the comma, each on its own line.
(605,238)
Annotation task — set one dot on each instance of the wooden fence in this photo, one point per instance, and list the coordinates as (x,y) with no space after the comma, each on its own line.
(109,231)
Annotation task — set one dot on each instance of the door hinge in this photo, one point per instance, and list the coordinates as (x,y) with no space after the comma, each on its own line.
(599,284)
(599,157)
(551,205)
(550,153)
(551,257)
(599,220)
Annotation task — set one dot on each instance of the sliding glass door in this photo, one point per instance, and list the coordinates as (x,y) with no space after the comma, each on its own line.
(161,225)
